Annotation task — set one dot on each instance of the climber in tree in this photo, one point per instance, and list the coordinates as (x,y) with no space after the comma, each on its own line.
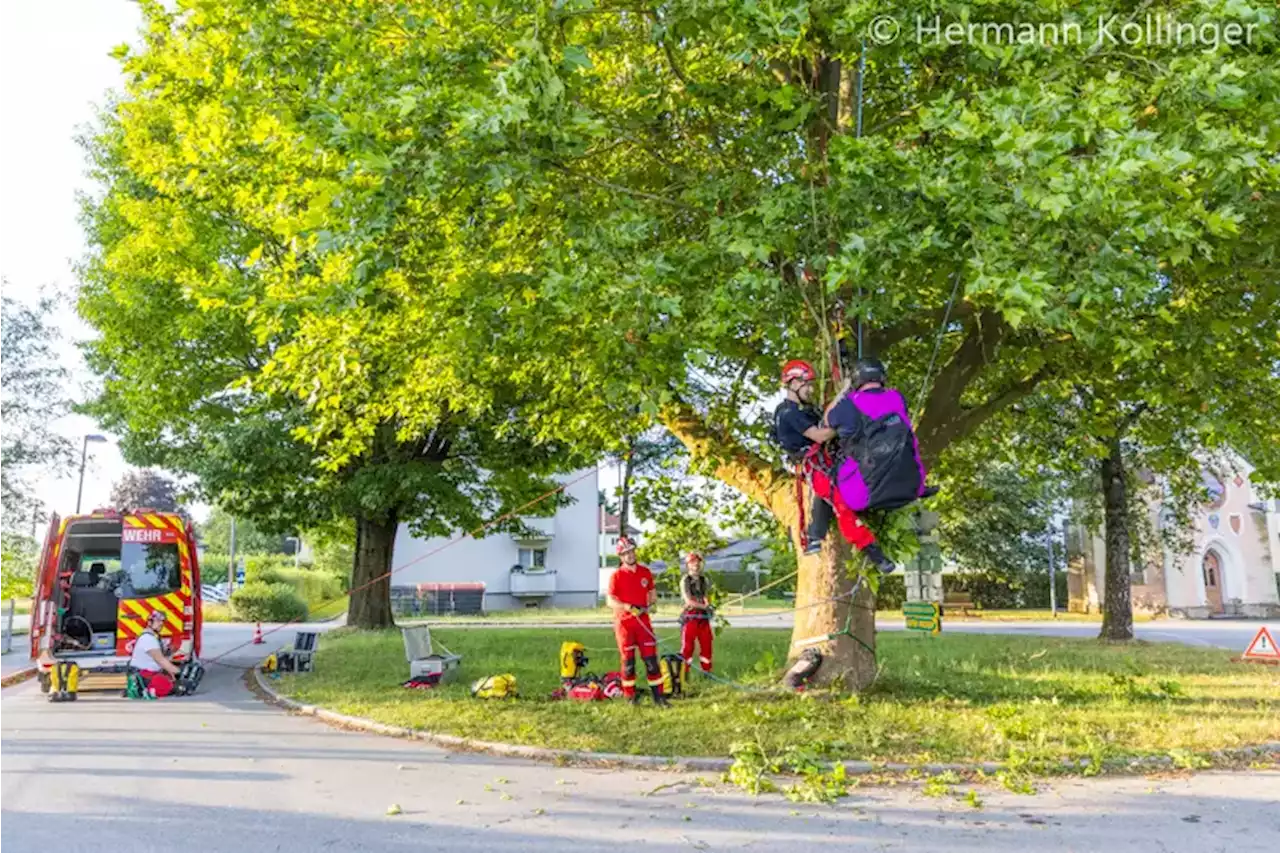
(801,430)
(879,460)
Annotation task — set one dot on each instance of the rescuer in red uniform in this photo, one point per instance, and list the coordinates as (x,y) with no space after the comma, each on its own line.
(695,621)
(631,594)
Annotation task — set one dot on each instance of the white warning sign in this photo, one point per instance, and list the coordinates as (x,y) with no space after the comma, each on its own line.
(1263,647)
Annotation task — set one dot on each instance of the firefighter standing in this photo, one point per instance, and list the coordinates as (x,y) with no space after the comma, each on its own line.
(695,621)
(631,594)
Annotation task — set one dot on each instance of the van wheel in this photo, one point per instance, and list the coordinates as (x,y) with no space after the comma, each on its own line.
(44,682)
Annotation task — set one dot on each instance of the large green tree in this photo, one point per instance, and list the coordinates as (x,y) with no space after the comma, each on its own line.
(34,383)
(198,378)
(616,216)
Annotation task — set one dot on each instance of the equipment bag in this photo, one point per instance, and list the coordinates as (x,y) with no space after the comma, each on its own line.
(189,676)
(573,660)
(612,685)
(495,687)
(672,669)
(805,667)
(135,687)
(586,690)
(64,680)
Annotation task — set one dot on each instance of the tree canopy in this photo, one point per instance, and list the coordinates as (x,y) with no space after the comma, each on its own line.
(146,488)
(566,222)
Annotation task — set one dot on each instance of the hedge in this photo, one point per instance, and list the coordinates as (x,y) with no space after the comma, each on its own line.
(261,602)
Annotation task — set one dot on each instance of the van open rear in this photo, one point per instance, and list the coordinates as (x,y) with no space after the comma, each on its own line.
(101,575)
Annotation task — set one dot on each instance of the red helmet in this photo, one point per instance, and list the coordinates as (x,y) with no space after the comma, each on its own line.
(694,556)
(625,544)
(797,369)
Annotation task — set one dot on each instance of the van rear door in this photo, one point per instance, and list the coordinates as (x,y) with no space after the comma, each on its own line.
(42,604)
(153,557)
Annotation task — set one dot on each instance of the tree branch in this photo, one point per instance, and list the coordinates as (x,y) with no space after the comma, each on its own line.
(734,465)
(881,341)
(970,419)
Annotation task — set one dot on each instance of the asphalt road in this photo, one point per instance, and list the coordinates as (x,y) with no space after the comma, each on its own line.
(226,773)
(1234,634)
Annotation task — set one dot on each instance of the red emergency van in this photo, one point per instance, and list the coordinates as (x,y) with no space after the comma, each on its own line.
(100,575)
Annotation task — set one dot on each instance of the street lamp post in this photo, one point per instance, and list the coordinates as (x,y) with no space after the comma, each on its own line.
(84,455)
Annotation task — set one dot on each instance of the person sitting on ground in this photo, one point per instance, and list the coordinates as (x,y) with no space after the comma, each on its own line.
(801,431)
(159,674)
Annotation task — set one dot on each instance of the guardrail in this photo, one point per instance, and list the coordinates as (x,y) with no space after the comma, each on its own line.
(8,625)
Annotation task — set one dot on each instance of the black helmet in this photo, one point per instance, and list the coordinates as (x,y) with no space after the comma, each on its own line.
(868,370)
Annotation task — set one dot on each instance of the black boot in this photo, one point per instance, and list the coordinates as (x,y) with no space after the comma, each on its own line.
(658,698)
(879,559)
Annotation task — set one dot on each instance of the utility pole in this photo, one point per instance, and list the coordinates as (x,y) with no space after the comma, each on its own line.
(84,455)
(231,563)
(1053,587)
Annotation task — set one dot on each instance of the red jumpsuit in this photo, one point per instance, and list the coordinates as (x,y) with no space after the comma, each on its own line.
(817,464)
(695,627)
(631,586)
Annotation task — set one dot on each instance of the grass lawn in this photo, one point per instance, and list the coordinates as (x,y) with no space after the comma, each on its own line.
(949,698)
(329,610)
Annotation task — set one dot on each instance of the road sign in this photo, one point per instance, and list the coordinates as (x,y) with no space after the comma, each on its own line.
(923,616)
(1263,649)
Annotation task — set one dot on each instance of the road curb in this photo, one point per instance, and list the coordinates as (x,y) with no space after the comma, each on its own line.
(510,750)
(689,763)
(18,677)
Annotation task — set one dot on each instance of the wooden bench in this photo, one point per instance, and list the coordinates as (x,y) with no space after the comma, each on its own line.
(960,601)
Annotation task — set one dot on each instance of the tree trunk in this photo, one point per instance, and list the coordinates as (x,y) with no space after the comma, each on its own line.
(624,501)
(822,576)
(845,659)
(370,606)
(1117,607)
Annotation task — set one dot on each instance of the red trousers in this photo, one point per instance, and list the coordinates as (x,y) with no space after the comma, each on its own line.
(159,683)
(696,630)
(815,466)
(635,633)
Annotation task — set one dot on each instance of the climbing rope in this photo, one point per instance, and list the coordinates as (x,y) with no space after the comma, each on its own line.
(937,345)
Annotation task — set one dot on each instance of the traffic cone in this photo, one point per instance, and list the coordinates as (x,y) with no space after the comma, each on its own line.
(257,635)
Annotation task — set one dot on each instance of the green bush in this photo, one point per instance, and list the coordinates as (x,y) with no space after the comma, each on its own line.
(315,587)
(213,568)
(260,602)
(335,559)
(892,592)
(267,568)
(311,585)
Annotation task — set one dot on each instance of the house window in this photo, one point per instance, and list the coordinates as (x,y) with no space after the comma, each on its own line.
(533,559)
(1216,489)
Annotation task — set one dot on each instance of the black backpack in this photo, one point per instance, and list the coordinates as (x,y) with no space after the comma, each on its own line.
(885,451)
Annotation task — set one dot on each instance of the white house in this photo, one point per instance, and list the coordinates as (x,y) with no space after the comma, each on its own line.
(1233,568)
(553,566)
